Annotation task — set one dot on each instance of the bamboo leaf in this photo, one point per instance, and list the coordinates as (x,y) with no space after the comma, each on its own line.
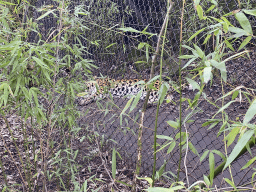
(249,163)
(207,181)
(162,92)
(224,107)
(236,30)
(173,124)
(245,42)
(219,153)
(136,100)
(229,45)
(186,56)
(164,137)
(250,112)
(193,83)
(207,74)
(250,12)
(211,166)
(204,155)
(171,147)
(44,15)
(230,183)
(193,149)
(199,51)
(114,163)
(232,135)
(195,34)
(238,148)
(200,12)
(189,62)
(244,22)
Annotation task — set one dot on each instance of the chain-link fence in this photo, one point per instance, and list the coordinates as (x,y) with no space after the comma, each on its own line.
(116,54)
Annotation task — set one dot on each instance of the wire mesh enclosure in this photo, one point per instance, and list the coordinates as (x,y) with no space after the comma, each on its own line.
(116,53)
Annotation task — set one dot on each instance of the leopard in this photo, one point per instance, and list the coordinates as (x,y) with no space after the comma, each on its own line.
(102,88)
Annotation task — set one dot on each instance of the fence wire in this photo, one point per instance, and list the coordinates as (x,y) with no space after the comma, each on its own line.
(120,60)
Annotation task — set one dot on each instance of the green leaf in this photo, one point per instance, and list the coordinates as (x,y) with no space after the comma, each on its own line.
(193,149)
(222,128)
(244,22)
(235,94)
(161,170)
(249,163)
(114,163)
(207,38)
(6,3)
(199,51)
(245,42)
(224,107)
(189,48)
(85,186)
(44,15)
(157,189)
(213,125)
(250,12)
(162,92)
(196,2)
(163,146)
(238,148)
(189,62)
(110,45)
(148,179)
(171,147)
(230,183)
(211,166)
(136,100)
(219,153)
(231,92)
(210,121)
(127,105)
(153,79)
(210,8)
(222,67)
(229,45)
(207,181)
(141,45)
(204,155)
(162,189)
(207,74)
(250,112)
(200,12)
(41,63)
(195,34)
(130,29)
(186,56)
(173,124)
(35,96)
(232,135)
(193,83)
(164,137)
(123,183)
(237,30)
(219,65)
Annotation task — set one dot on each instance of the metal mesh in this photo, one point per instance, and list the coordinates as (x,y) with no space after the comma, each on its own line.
(119,61)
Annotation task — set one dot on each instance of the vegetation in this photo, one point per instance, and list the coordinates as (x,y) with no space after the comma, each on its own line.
(43,69)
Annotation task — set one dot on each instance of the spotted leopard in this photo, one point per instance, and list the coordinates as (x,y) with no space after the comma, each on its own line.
(101,87)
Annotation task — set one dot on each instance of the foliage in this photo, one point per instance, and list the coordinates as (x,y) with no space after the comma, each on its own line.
(34,85)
